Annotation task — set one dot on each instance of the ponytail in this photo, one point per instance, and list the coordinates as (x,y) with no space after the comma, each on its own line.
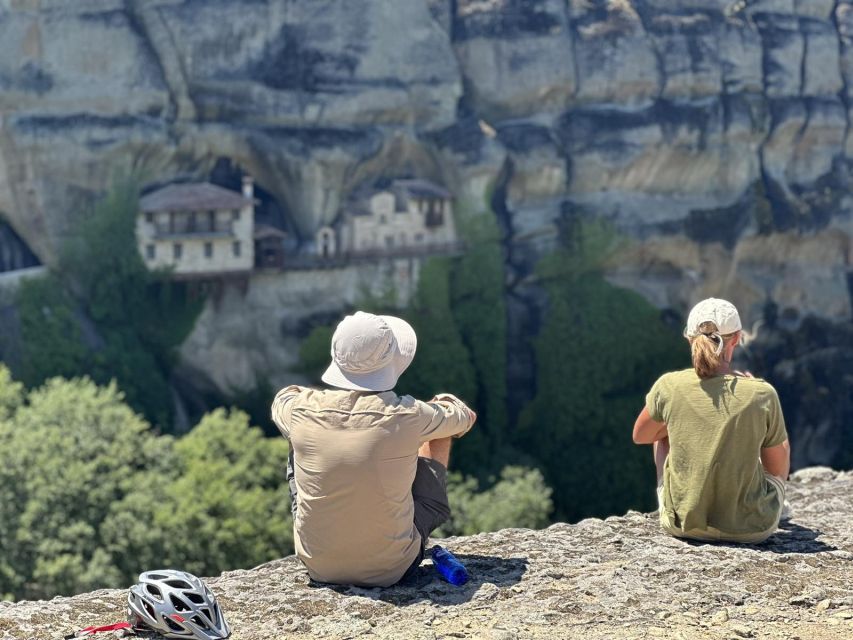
(707,349)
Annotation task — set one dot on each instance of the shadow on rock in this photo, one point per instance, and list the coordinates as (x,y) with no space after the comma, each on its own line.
(790,538)
(795,538)
(426,584)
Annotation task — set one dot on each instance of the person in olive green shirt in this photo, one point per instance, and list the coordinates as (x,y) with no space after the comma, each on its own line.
(719,439)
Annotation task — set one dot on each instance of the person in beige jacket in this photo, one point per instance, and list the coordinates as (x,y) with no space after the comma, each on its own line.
(367,468)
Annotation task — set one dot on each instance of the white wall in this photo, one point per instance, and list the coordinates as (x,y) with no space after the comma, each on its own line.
(386,229)
(193,259)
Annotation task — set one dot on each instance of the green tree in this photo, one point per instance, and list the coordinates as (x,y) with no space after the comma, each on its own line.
(230,505)
(51,340)
(478,307)
(103,314)
(442,362)
(90,496)
(11,394)
(69,453)
(519,498)
(598,352)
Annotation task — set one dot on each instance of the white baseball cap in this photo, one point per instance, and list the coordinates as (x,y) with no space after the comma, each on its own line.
(370,352)
(721,312)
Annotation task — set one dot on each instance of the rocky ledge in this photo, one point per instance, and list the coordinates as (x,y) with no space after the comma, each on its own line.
(613,578)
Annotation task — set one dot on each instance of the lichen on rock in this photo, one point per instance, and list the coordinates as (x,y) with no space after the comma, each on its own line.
(601,579)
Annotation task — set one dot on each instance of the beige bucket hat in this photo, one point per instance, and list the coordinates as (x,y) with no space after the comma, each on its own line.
(370,352)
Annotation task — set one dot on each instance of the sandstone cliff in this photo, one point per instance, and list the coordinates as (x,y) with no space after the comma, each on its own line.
(615,578)
(715,134)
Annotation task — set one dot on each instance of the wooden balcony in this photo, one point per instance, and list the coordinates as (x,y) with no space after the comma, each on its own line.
(187,228)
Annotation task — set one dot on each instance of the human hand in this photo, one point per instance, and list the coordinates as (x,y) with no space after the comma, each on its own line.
(744,374)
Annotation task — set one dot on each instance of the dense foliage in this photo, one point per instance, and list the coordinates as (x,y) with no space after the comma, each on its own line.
(478,305)
(90,496)
(598,352)
(519,498)
(103,314)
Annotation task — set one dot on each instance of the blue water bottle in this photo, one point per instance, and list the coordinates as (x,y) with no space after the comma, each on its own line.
(448,566)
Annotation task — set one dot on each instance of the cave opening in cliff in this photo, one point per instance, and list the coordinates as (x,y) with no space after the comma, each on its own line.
(15,254)
(269,211)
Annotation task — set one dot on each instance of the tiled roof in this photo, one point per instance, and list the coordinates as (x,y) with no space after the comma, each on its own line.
(192,197)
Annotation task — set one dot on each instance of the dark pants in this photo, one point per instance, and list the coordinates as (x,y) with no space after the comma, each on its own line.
(429,492)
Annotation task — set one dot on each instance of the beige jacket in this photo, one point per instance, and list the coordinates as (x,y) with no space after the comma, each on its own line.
(355,456)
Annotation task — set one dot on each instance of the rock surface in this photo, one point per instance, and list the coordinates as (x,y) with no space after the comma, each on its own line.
(714,134)
(615,578)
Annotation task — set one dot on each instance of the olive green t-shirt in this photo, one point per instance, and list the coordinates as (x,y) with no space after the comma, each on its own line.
(713,478)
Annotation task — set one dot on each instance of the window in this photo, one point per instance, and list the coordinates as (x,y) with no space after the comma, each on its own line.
(383,219)
(211,221)
(149,217)
(235,215)
(389,241)
(208,250)
(419,238)
(171,222)
(236,248)
(177,250)
(150,251)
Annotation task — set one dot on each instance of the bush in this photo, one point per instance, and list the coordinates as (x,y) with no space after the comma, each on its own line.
(90,497)
(520,498)
(230,505)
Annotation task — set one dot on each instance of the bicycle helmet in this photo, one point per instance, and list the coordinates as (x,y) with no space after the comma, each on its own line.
(175,604)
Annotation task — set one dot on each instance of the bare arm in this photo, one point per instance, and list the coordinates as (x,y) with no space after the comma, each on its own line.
(647,430)
(777,460)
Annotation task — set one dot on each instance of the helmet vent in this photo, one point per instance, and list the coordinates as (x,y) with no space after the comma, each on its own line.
(179,604)
(179,584)
(156,576)
(174,626)
(201,623)
(206,612)
(148,608)
(192,596)
(154,591)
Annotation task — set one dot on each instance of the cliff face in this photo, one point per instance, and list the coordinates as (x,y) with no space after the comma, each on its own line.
(713,133)
(614,578)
